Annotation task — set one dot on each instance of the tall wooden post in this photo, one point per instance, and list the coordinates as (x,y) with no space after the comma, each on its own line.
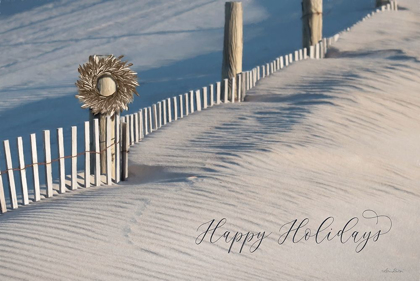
(233,43)
(380,3)
(107,87)
(311,22)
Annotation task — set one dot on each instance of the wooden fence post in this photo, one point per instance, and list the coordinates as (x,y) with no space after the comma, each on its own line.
(211,94)
(146,122)
(141,127)
(87,155)
(73,158)
(10,176)
(24,184)
(102,137)
(35,170)
(108,151)
(48,168)
(198,100)
(233,41)
(181,107)
(169,108)
(239,79)
(205,98)
(3,207)
(175,108)
(136,128)
(149,111)
(97,153)
(155,119)
(311,22)
(218,90)
(233,93)
(61,161)
(226,91)
(125,148)
(191,102)
(160,114)
(186,104)
(117,172)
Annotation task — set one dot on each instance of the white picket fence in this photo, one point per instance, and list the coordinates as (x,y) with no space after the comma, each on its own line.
(129,130)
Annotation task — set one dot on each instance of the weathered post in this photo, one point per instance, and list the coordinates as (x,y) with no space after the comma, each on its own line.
(106,86)
(311,22)
(233,43)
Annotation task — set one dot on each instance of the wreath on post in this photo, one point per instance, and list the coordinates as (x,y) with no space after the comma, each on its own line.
(106,66)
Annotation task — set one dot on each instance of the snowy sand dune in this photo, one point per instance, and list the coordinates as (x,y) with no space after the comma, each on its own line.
(323,138)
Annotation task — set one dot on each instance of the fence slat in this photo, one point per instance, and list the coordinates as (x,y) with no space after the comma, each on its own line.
(155,115)
(243,86)
(205,98)
(118,146)
(108,150)
(317,51)
(250,82)
(175,109)
(24,184)
(198,99)
(97,153)
(10,176)
(239,87)
(73,158)
(211,94)
(87,155)
(169,108)
(296,55)
(181,107)
(35,170)
(232,98)
(191,102)
(160,114)
(61,162)
(125,148)
(127,120)
(132,129)
(141,128)
(136,128)
(164,109)
(218,90)
(186,104)
(149,112)
(312,52)
(145,124)
(48,168)
(3,206)
(226,90)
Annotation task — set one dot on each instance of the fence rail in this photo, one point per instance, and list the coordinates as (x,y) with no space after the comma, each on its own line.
(129,130)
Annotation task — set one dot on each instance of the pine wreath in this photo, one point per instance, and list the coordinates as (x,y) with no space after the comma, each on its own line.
(125,80)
